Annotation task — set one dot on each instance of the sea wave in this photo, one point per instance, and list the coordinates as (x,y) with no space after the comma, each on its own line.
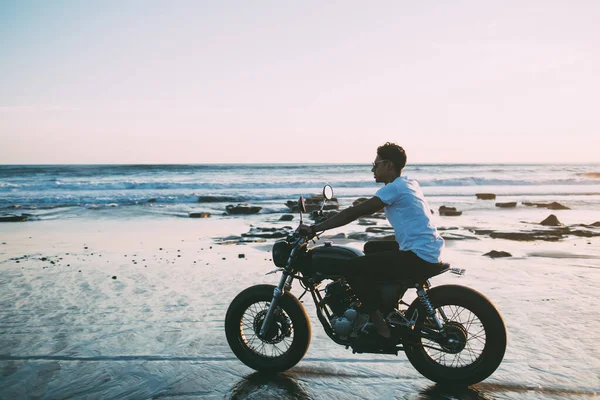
(253,184)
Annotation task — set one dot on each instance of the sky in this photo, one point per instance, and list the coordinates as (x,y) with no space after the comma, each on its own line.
(298,81)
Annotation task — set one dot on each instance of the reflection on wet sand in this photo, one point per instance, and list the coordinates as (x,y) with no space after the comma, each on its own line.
(283,386)
(458,393)
(268,386)
(301,384)
(523,388)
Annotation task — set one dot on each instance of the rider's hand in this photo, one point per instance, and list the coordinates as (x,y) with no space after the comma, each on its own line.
(306,230)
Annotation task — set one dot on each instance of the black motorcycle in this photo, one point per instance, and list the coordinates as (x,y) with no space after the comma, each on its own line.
(451,334)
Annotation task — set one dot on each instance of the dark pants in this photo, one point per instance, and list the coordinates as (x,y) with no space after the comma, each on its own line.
(365,273)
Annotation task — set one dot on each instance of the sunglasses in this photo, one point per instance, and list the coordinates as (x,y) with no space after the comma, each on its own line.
(378,162)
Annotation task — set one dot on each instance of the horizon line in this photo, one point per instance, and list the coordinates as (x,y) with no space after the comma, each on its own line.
(301,163)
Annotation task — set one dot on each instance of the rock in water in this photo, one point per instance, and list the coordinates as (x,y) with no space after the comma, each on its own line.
(13,218)
(242,209)
(511,204)
(497,254)
(286,217)
(552,220)
(314,203)
(485,196)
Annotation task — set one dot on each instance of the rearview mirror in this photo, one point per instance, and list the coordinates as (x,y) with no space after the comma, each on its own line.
(328,192)
(301,205)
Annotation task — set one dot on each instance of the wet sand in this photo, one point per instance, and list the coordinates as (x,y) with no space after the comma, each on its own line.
(69,330)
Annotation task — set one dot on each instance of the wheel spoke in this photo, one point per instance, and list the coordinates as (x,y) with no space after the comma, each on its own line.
(470,321)
(277,342)
(477,334)
(456,359)
(467,331)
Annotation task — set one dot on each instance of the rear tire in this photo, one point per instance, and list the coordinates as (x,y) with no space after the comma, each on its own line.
(478,333)
(288,338)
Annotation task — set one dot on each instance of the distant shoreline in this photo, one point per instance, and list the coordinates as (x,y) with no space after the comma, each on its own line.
(411,164)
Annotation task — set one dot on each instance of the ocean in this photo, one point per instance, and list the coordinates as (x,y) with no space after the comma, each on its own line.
(81,191)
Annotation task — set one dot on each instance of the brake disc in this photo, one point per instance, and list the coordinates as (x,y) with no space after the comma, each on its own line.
(279,329)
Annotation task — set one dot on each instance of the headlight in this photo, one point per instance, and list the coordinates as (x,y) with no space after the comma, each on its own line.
(281,253)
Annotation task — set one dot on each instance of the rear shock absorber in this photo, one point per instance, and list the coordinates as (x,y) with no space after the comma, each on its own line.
(424,298)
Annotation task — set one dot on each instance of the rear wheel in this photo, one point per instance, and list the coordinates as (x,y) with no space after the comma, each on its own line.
(287,339)
(469,348)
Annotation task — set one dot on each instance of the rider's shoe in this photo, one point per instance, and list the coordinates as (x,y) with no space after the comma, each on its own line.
(396,318)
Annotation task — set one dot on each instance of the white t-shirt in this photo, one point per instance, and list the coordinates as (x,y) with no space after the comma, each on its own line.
(410,216)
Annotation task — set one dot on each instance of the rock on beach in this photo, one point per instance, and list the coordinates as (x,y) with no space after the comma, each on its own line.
(498,254)
(366,222)
(511,204)
(268,233)
(551,220)
(551,206)
(449,211)
(486,196)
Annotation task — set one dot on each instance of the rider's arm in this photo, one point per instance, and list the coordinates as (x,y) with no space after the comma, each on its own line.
(348,215)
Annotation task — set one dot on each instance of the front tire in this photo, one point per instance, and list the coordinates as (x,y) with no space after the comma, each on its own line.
(284,344)
(474,342)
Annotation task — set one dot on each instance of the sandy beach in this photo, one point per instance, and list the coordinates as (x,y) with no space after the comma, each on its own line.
(135,309)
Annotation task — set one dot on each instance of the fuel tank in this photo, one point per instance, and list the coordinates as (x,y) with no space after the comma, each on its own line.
(329,259)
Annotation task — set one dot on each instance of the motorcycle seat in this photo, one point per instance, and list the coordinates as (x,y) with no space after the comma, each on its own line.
(420,275)
(430,270)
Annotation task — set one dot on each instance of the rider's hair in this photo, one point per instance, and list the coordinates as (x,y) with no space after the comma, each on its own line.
(394,153)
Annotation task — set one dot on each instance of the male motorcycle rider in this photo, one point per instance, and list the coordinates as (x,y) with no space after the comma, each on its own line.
(419,242)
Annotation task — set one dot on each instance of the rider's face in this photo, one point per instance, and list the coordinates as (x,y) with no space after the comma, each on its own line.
(380,169)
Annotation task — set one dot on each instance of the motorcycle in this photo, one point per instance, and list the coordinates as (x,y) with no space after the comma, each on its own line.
(451,334)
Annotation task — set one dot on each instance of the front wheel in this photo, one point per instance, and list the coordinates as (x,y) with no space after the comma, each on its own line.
(287,339)
(469,348)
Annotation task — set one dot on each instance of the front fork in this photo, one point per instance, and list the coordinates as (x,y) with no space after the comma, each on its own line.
(285,283)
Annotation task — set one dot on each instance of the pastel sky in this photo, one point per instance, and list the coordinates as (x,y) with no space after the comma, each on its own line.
(298,81)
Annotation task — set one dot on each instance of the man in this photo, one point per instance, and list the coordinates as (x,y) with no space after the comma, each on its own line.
(405,207)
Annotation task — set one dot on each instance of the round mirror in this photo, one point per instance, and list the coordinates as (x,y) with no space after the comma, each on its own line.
(301,205)
(328,192)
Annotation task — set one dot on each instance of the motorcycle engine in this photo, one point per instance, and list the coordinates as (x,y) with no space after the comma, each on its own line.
(345,320)
(338,296)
